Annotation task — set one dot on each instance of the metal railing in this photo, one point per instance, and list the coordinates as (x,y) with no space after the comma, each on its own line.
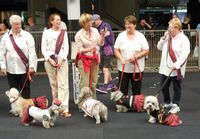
(153,61)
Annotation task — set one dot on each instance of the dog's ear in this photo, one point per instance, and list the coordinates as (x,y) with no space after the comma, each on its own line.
(45,118)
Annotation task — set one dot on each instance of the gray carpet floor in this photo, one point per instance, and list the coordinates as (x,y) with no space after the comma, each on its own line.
(130,125)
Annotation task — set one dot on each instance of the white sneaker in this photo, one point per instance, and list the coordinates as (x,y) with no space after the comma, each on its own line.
(175,109)
(168,106)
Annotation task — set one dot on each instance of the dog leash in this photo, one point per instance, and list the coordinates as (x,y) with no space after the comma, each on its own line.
(134,73)
(159,90)
(27,77)
(122,74)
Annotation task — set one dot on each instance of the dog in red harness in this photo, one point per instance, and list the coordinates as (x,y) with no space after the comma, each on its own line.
(18,102)
(124,103)
(159,114)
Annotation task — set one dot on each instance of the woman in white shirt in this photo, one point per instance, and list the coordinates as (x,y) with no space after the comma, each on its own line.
(56,64)
(130,48)
(17,70)
(175,47)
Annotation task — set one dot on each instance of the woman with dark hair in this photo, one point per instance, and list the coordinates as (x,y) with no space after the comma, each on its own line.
(55,49)
(130,48)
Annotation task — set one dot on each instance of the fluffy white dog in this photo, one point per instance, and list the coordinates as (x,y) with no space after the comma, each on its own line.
(33,114)
(158,113)
(92,107)
(123,103)
(151,105)
(17,102)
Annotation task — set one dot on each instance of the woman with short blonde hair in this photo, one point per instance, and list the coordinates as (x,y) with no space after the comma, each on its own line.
(175,47)
(176,22)
(85,18)
(88,41)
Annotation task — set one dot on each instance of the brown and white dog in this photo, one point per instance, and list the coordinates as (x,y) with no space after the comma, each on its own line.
(48,116)
(91,106)
(17,102)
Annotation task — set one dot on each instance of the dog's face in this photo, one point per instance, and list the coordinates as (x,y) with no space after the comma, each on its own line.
(151,103)
(116,95)
(12,94)
(84,93)
(55,109)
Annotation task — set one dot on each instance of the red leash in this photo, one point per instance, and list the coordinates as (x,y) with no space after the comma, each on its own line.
(122,74)
(134,71)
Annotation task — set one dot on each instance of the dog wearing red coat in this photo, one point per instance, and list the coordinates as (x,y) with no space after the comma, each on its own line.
(159,114)
(18,102)
(124,103)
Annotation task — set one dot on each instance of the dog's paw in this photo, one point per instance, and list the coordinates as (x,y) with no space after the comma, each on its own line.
(46,124)
(51,124)
(85,115)
(33,121)
(27,124)
(16,114)
(152,120)
(98,122)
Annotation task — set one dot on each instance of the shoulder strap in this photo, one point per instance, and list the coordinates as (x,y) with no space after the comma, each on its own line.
(19,52)
(59,41)
(173,57)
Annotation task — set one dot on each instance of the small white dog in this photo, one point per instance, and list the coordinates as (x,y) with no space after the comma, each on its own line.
(151,105)
(18,102)
(158,113)
(33,114)
(92,107)
(123,103)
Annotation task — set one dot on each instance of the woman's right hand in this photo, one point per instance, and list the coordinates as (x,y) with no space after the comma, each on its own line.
(165,35)
(52,62)
(123,61)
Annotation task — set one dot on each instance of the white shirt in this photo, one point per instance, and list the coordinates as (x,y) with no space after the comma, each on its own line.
(128,48)
(10,60)
(181,48)
(49,39)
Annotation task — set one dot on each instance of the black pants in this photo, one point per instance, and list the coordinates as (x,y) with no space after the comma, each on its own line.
(176,89)
(17,81)
(136,85)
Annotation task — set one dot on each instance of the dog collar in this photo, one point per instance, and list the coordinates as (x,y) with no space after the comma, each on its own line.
(15,100)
